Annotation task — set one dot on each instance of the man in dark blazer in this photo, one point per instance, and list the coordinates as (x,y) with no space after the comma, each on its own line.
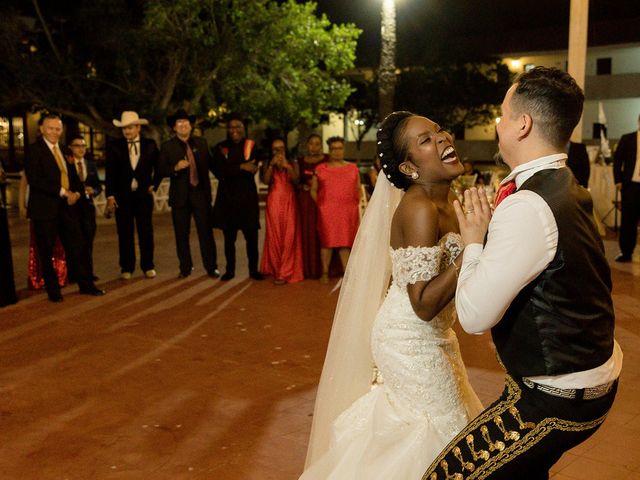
(578,162)
(236,207)
(88,174)
(54,192)
(626,174)
(7,284)
(186,160)
(130,178)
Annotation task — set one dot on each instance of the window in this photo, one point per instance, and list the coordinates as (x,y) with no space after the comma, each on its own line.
(95,141)
(603,66)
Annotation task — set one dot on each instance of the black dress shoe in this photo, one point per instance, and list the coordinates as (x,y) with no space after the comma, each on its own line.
(622,258)
(227,276)
(92,290)
(256,275)
(184,274)
(215,273)
(55,297)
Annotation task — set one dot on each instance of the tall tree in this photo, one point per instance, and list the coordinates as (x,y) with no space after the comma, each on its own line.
(274,61)
(456,94)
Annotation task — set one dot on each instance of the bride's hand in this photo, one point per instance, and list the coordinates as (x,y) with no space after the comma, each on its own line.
(474,219)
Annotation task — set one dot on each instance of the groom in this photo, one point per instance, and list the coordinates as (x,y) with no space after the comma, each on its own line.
(542,285)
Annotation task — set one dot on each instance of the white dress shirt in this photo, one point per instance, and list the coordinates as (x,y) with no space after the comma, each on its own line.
(134,156)
(522,240)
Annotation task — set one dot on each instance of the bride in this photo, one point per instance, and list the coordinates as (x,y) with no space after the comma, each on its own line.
(394,390)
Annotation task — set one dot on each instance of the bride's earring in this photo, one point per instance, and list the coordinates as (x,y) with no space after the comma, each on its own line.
(415,175)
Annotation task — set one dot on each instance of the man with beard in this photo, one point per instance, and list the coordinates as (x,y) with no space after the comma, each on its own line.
(130,179)
(187,161)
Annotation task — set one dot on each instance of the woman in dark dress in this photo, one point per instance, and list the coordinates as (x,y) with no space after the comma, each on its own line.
(7,285)
(308,211)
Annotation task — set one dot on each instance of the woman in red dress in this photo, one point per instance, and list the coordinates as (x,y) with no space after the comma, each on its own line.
(35,279)
(308,211)
(336,189)
(282,252)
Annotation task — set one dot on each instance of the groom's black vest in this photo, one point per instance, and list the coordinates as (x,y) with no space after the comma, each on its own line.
(563,320)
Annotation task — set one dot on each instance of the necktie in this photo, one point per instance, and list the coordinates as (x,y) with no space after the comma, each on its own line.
(80,170)
(504,191)
(193,171)
(133,147)
(64,177)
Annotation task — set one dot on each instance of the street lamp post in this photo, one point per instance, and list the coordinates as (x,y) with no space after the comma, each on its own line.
(387,72)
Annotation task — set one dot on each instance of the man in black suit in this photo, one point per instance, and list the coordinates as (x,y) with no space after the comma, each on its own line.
(130,179)
(236,206)
(186,160)
(578,162)
(54,192)
(626,174)
(88,174)
(7,284)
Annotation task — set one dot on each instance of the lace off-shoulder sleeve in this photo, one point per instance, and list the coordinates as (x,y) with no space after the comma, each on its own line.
(414,264)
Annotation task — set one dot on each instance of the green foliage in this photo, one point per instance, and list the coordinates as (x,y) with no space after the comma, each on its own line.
(273,61)
(456,94)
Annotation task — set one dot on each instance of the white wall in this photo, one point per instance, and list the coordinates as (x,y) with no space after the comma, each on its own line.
(622,116)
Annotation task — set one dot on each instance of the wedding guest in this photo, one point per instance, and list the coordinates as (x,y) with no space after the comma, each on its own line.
(372,175)
(626,172)
(7,285)
(308,210)
(54,192)
(186,160)
(578,162)
(282,252)
(336,189)
(88,174)
(35,278)
(236,206)
(131,176)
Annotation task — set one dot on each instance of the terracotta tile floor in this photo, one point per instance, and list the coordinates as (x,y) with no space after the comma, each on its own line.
(197,379)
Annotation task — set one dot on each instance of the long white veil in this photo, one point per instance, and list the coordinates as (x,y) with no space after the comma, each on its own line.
(348,366)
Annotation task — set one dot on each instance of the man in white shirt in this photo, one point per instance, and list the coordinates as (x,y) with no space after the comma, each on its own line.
(88,174)
(542,285)
(131,176)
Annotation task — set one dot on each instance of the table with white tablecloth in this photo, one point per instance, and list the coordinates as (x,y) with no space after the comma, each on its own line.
(603,192)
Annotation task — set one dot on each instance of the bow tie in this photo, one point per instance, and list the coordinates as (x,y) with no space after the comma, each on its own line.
(130,142)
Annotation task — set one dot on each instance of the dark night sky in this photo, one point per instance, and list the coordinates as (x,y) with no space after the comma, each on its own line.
(434,28)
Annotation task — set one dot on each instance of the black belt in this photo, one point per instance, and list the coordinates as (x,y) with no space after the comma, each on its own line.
(590,393)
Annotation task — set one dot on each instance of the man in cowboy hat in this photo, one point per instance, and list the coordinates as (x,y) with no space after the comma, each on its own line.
(131,177)
(236,206)
(185,159)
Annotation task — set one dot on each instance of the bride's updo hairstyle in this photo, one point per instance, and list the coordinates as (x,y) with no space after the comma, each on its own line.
(392,148)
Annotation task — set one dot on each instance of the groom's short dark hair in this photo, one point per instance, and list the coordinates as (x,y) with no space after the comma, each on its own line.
(553,99)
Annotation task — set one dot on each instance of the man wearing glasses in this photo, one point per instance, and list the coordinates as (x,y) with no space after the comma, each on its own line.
(88,174)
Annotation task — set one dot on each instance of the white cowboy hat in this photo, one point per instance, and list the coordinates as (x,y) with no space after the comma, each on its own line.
(130,118)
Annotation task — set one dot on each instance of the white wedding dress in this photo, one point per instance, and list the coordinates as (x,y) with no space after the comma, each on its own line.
(421,398)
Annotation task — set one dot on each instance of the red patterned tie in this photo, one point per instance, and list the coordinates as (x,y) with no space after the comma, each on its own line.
(193,171)
(504,191)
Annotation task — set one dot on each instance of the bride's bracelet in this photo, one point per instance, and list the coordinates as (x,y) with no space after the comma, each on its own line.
(456,267)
